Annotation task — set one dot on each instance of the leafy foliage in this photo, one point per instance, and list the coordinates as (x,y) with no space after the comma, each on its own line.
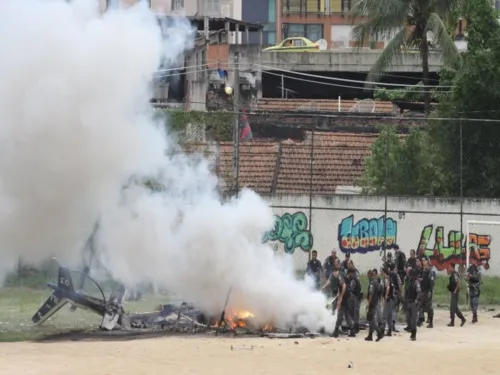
(411,22)
(474,98)
(409,94)
(219,124)
(461,155)
(402,165)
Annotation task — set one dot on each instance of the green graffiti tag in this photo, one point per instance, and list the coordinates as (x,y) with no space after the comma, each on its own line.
(292,231)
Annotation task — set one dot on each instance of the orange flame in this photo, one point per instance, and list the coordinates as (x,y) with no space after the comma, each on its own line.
(238,319)
(241,319)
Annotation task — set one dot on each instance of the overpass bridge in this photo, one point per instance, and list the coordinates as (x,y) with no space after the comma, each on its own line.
(338,60)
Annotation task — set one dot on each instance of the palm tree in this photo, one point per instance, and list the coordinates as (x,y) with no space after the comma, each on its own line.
(412,22)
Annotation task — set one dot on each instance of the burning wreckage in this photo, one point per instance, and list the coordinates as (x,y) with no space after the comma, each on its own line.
(182,317)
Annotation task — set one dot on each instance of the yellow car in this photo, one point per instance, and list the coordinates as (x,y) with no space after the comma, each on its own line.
(296,44)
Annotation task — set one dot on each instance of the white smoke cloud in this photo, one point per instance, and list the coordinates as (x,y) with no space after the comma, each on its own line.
(75,125)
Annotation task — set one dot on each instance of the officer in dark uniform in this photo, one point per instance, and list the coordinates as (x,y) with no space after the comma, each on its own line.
(314,269)
(398,295)
(329,264)
(389,261)
(454,288)
(378,313)
(419,269)
(400,262)
(387,300)
(344,265)
(425,297)
(474,280)
(412,261)
(343,296)
(356,295)
(371,307)
(412,292)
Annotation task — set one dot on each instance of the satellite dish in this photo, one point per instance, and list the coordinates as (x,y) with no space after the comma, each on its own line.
(322,44)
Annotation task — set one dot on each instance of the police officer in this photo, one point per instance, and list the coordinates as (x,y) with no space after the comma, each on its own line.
(387,300)
(425,297)
(343,296)
(314,269)
(400,262)
(344,264)
(412,292)
(398,295)
(474,280)
(412,260)
(454,288)
(356,294)
(389,261)
(329,263)
(378,313)
(373,297)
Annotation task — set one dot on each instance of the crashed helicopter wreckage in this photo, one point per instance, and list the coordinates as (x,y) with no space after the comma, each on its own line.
(111,310)
(183,317)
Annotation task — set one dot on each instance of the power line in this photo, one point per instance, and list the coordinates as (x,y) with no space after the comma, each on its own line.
(342,79)
(338,85)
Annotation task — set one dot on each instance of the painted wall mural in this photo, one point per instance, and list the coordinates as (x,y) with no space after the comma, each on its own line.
(442,251)
(292,230)
(366,235)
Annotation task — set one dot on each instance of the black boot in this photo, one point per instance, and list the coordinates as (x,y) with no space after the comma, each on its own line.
(369,337)
(413,336)
(336,333)
(451,323)
(352,333)
(380,334)
(356,328)
(389,333)
(463,322)
(430,319)
(474,318)
(407,329)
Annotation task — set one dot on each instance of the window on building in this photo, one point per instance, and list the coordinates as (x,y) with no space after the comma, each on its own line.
(212,8)
(312,32)
(177,4)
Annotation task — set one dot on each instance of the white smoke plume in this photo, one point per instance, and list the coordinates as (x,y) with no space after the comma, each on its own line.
(76,125)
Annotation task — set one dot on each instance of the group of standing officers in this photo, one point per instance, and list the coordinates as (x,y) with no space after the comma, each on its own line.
(406,284)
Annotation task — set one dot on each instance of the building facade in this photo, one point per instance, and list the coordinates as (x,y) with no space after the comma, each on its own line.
(209,8)
(313,19)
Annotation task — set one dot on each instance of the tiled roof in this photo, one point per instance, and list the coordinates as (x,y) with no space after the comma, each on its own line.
(322,105)
(257,164)
(266,166)
(338,159)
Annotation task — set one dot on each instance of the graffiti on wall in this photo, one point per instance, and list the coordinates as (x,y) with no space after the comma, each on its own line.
(366,234)
(452,249)
(292,230)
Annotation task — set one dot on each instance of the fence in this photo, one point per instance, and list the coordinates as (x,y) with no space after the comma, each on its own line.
(362,192)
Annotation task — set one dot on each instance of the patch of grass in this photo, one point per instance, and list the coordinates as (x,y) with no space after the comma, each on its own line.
(19,304)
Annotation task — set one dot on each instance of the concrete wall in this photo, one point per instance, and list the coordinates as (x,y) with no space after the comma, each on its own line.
(348,60)
(355,224)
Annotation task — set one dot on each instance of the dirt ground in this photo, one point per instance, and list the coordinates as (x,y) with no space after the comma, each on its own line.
(442,350)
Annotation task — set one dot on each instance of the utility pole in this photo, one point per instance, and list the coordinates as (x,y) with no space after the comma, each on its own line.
(236,129)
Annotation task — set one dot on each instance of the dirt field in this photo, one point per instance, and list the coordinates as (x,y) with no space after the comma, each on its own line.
(442,350)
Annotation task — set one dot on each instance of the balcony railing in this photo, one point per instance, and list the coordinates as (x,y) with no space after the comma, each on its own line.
(316,7)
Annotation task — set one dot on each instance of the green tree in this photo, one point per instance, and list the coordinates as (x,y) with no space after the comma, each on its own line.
(402,165)
(412,21)
(473,98)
